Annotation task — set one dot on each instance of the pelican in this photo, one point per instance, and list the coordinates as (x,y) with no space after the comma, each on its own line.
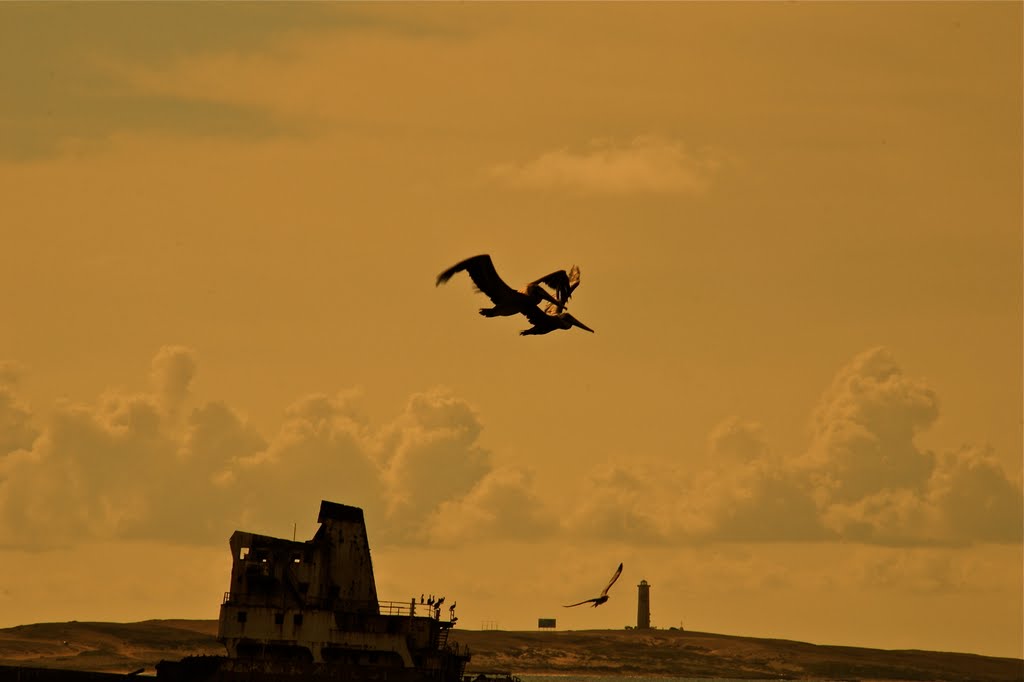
(604,593)
(508,301)
(549,320)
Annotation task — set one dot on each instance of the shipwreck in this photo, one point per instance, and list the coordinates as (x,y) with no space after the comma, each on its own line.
(309,610)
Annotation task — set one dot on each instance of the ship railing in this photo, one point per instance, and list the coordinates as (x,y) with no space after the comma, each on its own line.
(382,607)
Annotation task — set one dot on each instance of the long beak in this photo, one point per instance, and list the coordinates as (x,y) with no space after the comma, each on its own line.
(579,324)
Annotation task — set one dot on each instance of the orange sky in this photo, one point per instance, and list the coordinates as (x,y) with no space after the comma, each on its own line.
(800,236)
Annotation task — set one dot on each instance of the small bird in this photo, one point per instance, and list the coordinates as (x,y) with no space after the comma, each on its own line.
(604,593)
(508,301)
(550,319)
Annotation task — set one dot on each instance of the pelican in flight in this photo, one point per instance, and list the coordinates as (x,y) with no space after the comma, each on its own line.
(509,301)
(550,319)
(604,593)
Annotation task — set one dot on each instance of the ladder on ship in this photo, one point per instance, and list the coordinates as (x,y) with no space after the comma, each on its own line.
(442,638)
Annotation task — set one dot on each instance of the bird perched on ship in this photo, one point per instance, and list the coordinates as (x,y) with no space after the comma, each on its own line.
(508,301)
(550,319)
(604,593)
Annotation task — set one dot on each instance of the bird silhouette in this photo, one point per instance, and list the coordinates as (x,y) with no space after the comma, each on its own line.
(550,319)
(508,301)
(604,593)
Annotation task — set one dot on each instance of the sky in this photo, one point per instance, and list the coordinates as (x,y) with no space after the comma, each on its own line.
(799,228)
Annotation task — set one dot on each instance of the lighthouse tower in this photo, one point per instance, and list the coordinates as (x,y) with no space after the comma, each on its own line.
(643,606)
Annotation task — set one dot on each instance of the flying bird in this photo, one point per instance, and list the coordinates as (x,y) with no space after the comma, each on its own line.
(508,301)
(604,593)
(550,319)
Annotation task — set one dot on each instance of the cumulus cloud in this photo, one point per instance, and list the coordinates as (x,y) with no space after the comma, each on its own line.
(502,505)
(16,429)
(647,164)
(862,478)
(10,373)
(159,465)
(734,438)
(864,428)
(631,503)
(172,372)
(142,466)
(432,454)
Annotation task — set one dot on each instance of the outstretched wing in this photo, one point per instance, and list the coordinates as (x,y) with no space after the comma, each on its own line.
(562,283)
(611,582)
(559,283)
(541,317)
(585,601)
(481,270)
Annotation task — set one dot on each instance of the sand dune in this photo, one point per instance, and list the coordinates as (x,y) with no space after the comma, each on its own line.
(128,646)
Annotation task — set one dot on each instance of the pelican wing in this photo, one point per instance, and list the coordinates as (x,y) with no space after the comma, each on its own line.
(563,283)
(485,277)
(611,582)
(558,281)
(541,317)
(585,601)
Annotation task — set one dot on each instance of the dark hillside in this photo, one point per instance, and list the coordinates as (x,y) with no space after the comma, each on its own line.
(125,647)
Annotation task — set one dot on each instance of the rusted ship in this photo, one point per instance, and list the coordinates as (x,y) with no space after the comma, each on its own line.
(309,611)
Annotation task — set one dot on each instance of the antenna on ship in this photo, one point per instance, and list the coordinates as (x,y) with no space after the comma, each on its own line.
(295,526)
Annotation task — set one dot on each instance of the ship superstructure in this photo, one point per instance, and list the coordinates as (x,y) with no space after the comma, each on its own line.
(310,608)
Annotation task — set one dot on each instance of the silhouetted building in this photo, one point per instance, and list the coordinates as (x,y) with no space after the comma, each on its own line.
(309,611)
(643,606)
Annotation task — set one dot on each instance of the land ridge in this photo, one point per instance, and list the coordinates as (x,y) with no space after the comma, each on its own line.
(124,647)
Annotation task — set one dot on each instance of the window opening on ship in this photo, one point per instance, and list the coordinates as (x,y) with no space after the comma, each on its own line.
(244,552)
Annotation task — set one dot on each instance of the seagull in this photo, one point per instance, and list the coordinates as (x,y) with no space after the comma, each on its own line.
(550,319)
(604,593)
(508,301)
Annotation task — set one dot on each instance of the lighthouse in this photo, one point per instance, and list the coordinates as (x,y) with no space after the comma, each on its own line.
(643,606)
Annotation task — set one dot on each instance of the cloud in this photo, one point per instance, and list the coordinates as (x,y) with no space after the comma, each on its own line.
(139,466)
(864,428)
(862,478)
(502,505)
(10,373)
(647,164)
(975,499)
(159,465)
(172,372)
(737,439)
(16,429)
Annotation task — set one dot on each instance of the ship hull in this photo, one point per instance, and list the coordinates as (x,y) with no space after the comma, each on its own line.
(222,669)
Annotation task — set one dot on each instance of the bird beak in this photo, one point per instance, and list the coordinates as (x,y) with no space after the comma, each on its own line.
(581,325)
